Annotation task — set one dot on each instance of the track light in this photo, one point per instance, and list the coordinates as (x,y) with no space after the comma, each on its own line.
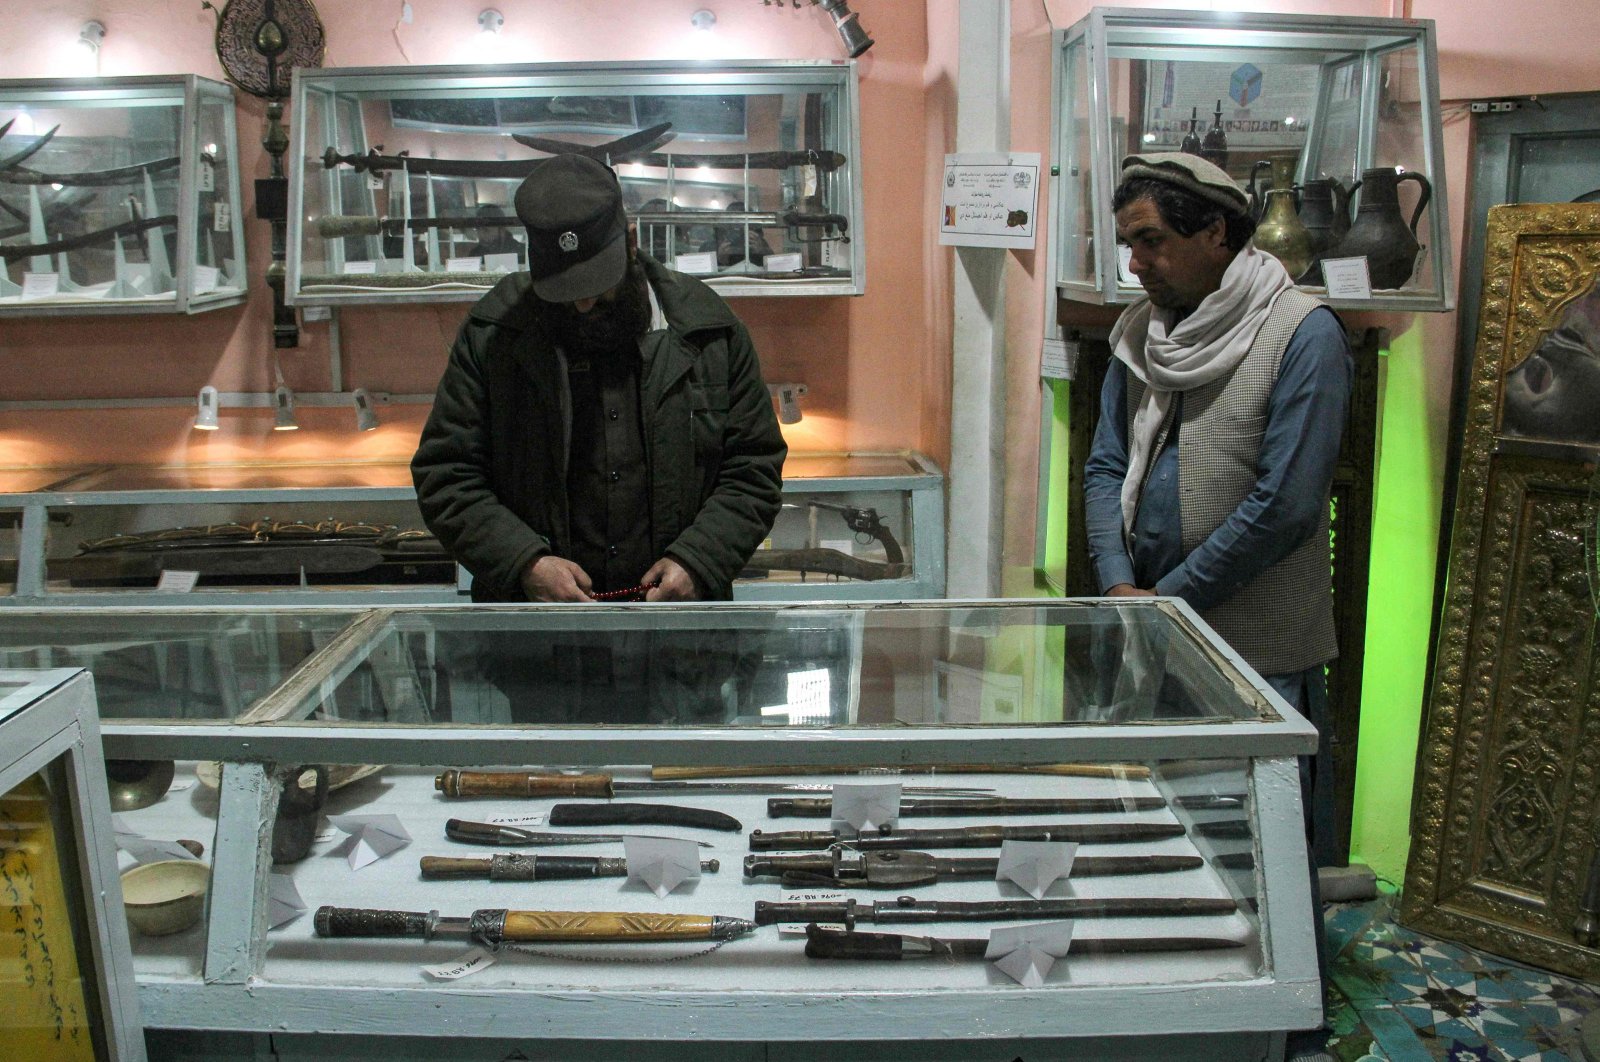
(205,410)
(366,416)
(848,23)
(89,40)
(788,395)
(283,410)
(704,20)
(490,21)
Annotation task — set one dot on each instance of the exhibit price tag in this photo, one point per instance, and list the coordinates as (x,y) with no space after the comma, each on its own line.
(40,285)
(1347,278)
(470,963)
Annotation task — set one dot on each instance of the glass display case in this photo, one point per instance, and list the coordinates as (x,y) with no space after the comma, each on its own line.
(1330,125)
(757,735)
(854,526)
(119,195)
(64,954)
(744,173)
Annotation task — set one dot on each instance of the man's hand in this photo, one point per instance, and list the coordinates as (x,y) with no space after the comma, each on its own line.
(672,582)
(1129,590)
(552,578)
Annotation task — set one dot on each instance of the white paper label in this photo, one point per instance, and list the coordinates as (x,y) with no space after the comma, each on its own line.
(463,265)
(206,179)
(809,896)
(1026,953)
(1059,359)
(40,285)
(1124,259)
(502,263)
(470,963)
(515,820)
(847,546)
(375,182)
(1347,278)
(221,216)
(696,264)
(782,263)
(361,267)
(177,582)
(205,279)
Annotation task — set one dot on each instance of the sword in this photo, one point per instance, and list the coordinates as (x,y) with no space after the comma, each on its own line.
(517,867)
(458,783)
(844,868)
(965,837)
(88,178)
(493,927)
(515,836)
(27,152)
(88,239)
(822,807)
(908,910)
(825,943)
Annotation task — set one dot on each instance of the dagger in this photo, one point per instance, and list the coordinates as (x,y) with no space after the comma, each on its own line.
(965,837)
(457,783)
(825,943)
(518,867)
(493,927)
(909,910)
(822,807)
(847,869)
(514,836)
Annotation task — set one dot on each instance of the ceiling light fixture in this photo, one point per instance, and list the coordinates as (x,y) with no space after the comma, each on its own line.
(703,20)
(366,416)
(283,410)
(205,413)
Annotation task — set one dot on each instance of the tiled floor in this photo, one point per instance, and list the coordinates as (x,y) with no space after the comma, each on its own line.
(1399,996)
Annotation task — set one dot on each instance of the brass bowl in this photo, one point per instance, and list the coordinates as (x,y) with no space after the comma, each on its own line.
(135,784)
(165,897)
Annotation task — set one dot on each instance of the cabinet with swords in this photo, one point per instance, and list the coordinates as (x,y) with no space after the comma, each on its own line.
(402,180)
(119,195)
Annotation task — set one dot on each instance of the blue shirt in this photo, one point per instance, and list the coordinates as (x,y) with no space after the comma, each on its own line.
(1300,447)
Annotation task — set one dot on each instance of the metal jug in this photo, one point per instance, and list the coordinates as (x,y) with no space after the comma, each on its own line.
(1282,168)
(299,808)
(1280,233)
(1380,233)
(1325,212)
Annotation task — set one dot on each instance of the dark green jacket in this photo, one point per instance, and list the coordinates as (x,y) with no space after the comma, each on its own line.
(491,468)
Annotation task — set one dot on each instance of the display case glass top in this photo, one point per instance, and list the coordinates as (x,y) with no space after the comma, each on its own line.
(402,179)
(1330,125)
(119,195)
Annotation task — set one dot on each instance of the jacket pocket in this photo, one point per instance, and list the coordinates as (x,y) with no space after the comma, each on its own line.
(708,425)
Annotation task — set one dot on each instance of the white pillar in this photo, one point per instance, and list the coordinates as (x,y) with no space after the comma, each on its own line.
(978,379)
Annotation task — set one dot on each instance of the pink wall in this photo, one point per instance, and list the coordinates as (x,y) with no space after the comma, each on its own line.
(868,361)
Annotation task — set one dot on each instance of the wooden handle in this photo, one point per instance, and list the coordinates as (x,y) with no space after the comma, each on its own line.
(553,926)
(1074,770)
(435,868)
(455,783)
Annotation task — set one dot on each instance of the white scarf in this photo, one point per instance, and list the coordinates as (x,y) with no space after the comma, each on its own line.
(1169,355)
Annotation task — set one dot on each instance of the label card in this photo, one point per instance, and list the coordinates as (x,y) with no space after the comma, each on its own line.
(173,581)
(847,546)
(361,267)
(221,216)
(470,963)
(990,200)
(1124,258)
(375,181)
(699,264)
(661,864)
(206,177)
(1059,359)
(284,904)
(866,806)
(463,265)
(40,285)
(1035,865)
(782,263)
(1347,278)
(515,820)
(502,263)
(1026,953)
(205,279)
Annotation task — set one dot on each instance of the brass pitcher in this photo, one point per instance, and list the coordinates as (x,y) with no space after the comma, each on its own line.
(1282,170)
(1325,212)
(1281,234)
(1380,233)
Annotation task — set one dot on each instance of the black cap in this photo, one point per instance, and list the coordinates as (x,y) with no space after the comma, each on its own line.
(577,229)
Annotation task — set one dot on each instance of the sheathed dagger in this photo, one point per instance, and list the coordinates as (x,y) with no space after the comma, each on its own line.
(825,943)
(907,910)
(822,807)
(964,837)
(494,927)
(458,783)
(514,866)
(844,868)
(492,833)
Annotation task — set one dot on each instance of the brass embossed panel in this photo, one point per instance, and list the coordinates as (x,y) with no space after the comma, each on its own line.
(1504,820)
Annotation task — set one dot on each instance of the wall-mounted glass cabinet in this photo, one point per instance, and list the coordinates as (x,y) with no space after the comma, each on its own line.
(1331,125)
(402,179)
(119,195)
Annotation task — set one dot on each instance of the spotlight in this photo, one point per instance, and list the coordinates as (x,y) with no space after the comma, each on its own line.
(283,410)
(703,20)
(89,38)
(848,23)
(490,21)
(205,413)
(788,401)
(366,416)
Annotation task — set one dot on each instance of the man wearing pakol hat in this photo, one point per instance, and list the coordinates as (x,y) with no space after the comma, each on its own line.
(1211,468)
(602,423)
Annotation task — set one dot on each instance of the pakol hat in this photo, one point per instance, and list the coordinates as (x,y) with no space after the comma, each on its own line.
(1191,173)
(577,229)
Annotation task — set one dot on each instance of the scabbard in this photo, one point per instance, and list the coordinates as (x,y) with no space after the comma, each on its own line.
(519,867)
(92,178)
(907,910)
(906,870)
(968,837)
(629,814)
(825,943)
(1130,771)
(454,783)
(822,807)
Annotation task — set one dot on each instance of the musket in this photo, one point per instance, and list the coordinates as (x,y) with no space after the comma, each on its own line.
(822,807)
(907,910)
(459,783)
(823,562)
(1130,771)
(27,152)
(965,837)
(88,239)
(514,866)
(88,178)
(493,833)
(825,943)
(494,927)
(843,868)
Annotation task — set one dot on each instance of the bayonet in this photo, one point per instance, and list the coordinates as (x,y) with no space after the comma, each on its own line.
(822,807)
(825,943)
(514,866)
(494,927)
(516,837)
(845,868)
(907,910)
(458,783)
(964,837)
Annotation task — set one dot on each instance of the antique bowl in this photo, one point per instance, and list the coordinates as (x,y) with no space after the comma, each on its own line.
(165,897)
(135,784)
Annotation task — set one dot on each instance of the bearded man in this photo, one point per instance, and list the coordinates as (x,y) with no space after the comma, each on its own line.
(602,423)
